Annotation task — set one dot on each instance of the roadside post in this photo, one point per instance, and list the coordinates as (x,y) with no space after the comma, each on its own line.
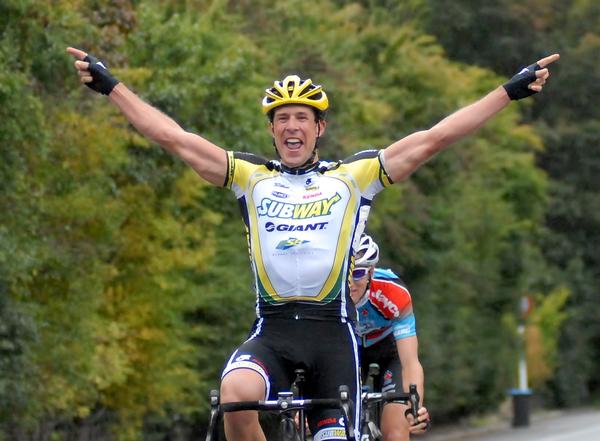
(521,396)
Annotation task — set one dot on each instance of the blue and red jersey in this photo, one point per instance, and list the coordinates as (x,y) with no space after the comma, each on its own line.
(385,309)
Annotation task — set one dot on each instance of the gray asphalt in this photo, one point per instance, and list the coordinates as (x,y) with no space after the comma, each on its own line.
(574,425)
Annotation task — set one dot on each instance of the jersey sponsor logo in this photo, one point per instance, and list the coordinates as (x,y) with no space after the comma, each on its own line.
(279,194)
(282,210)
(280,185)
(402,330)
(387,377)
(329,434)
(321,423)
(248,358)
(384,304)
(270,226)
(289,243)
(309,185)
(312,195)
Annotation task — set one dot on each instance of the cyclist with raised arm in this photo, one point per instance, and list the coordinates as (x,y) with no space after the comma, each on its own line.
(387,335)
(304,219)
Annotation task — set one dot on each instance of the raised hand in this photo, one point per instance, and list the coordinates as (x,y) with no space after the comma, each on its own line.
(93,72)
(531,79)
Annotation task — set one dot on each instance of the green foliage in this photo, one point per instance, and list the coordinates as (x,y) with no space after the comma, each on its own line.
(542,335)
(22,148)
(207,83)
(567,121)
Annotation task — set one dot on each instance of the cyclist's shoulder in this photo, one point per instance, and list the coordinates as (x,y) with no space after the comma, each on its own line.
(385,274)
(388,278)
(242,166)
(354,162)
(248,157)
(387,290)
(365,154)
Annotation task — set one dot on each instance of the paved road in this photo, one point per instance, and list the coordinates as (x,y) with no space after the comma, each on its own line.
(580,425)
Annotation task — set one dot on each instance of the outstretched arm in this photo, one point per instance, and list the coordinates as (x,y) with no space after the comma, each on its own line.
(403,157)
(207,159)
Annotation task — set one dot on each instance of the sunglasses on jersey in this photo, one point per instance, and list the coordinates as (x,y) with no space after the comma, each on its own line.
(360,273)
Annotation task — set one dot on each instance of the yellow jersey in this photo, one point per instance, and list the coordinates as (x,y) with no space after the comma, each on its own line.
(301,228)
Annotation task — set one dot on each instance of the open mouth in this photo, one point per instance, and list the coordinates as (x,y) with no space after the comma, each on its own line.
(293,143)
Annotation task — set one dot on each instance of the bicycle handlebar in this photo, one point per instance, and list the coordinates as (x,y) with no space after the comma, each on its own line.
(317,403)
(286,403)
(399,397)
(412,398)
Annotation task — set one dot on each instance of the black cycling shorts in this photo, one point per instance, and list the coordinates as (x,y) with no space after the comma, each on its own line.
(326,350)
(385,354)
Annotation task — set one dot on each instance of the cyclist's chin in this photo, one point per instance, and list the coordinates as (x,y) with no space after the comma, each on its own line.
(295,159)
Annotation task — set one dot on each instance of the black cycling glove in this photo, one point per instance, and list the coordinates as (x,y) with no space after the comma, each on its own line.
(516,87)
(102,80)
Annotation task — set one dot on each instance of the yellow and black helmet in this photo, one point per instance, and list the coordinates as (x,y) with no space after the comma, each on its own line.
(293,90)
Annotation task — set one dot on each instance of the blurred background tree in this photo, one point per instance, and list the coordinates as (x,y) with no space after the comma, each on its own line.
(494,36)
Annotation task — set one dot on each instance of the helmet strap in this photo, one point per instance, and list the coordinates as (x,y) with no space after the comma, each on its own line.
(311,159)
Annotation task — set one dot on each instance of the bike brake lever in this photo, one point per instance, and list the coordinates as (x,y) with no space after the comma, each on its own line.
(345,404)
(214,415)
(414,401)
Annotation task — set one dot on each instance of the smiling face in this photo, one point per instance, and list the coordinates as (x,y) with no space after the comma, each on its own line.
(295,130)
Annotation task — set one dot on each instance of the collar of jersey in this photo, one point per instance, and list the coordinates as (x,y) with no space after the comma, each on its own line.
(277,165)
(319,166)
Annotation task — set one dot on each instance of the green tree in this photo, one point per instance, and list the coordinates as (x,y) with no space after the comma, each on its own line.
(566,119)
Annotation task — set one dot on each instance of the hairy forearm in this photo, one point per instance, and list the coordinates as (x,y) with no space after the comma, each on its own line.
(148,120)
(468,119)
